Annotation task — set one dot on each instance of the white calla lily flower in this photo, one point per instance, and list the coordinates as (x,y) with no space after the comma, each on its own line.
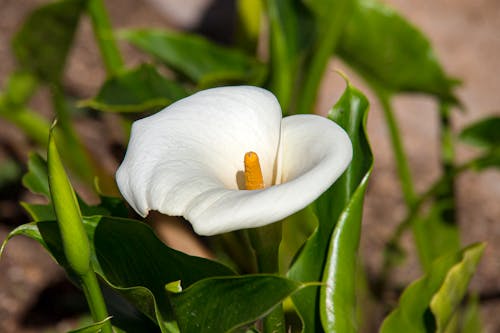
(188,160)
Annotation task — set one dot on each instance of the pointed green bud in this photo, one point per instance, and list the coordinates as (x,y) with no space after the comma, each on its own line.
(75,242)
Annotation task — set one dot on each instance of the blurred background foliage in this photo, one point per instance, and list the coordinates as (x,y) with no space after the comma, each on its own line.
(290,51)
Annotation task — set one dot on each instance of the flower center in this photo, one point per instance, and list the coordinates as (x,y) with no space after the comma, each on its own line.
(253,173)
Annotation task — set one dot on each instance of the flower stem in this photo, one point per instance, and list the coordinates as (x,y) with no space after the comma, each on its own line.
(447,162)
(95,299)
(104,35)
(402,164)
(265,242)
(435,189)
(328,25)
(30,122)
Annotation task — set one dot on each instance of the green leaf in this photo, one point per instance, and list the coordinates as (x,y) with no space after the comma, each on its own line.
(241,299)
(427,304)
(109,206)
(198,59)
(484,133)
(42,44)
(136,90)
(131,260)
(343,200)
(489,160)
(297,228)
(454,287)
(125,315)
(29,230)
(130,255)
(10,172)
(470,320)
(124,245)
(39,212)
(19,89)
(434,235)
(36,179)
(94,328)
(391,53)
(338,298)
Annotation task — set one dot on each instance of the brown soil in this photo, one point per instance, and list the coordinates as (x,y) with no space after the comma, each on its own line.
(466,38)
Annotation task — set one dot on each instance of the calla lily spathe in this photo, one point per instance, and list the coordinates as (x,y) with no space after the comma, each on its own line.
(187,160)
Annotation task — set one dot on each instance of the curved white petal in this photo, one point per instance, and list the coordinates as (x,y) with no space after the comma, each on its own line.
(195,147)
(315,152)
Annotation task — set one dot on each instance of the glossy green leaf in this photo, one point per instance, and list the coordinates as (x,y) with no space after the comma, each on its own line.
(130,247)
(93,328)
(136,90)
(42,44)
(203,62)
(427,304)
(240,300)
(131,259)
(392,53)
(338,298)
(338,202)
(125,315)
(484,133)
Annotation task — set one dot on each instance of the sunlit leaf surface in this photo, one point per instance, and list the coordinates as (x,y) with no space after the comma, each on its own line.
(198,59)
(428,303)
(341,203)
(392,53)
(221,304)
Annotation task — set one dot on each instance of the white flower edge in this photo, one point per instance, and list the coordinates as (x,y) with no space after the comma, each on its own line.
(320,152)
(185,159)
